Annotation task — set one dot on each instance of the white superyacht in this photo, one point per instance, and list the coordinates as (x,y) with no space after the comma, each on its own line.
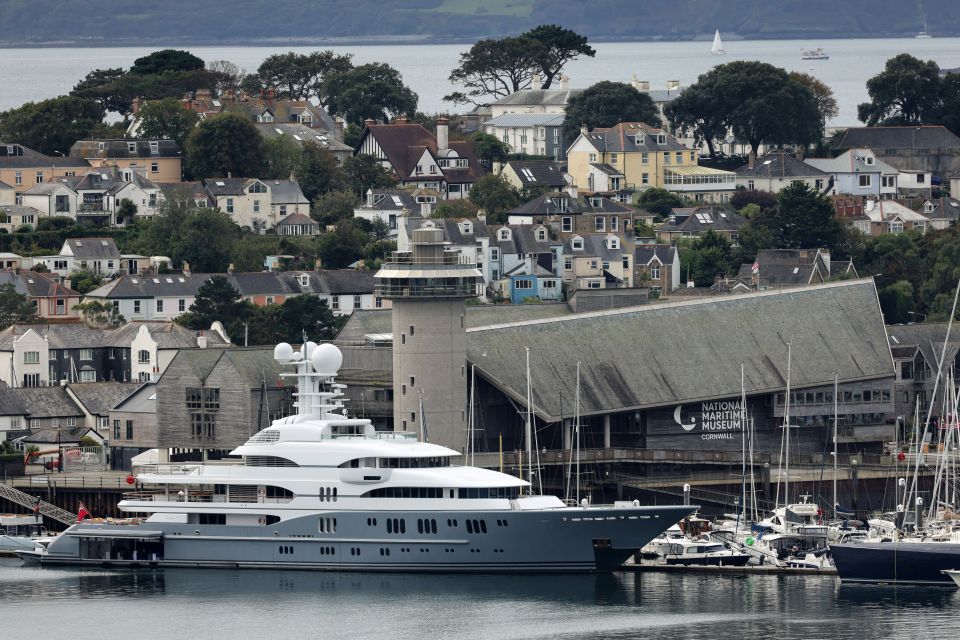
(319,490)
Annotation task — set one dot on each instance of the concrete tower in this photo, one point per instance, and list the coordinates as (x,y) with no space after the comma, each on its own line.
(429,286)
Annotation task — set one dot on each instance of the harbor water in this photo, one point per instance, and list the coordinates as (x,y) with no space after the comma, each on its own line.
(225,604)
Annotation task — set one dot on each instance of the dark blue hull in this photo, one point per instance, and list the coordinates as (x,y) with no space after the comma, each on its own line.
(896,562)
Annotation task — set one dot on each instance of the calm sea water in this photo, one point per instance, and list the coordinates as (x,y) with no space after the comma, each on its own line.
(268,604)
(33,74)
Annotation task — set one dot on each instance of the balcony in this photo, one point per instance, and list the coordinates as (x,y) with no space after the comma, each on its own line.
(428,288)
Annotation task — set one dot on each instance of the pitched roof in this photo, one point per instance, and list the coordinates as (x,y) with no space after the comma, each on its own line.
(11,404)
(120,148)
(49,402)
(299,219)
(57,436)
(645,253)
(36,285)
(622,138)
(779,164)
(944,209)
(151,286)
(783,267)
(635,361)
(926,336)
(92,248)
(594,245)
(404,144)
(537,172)
(538,97)
(99,397)
(70,335)
(26,158)
(696,220)
(548,204)
(852,161)
(389,200)
(301,133)
(526,120)
(286,192)
(167,335)
(906,137)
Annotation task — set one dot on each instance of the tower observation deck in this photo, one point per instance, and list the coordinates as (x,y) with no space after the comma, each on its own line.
(429,286)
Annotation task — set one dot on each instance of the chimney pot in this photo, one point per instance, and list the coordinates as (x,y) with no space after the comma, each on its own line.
(369,122)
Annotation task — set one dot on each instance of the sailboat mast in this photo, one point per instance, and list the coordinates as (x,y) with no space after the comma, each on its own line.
(576,430)
(836,384)
(786,425)
(743,447)
(472,424)
(529,428)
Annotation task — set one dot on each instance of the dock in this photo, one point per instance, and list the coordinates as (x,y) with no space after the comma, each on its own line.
(765,569)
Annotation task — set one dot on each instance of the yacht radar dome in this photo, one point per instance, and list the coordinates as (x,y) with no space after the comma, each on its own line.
(307,349)
(283,352)
(326,359)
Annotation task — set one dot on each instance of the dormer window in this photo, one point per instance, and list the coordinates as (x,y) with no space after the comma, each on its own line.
(868,160)
(131,147)
(640,139)
(467,227)
(661,138)
(304,280)
(541,234)
(257,187)
(614,243)
(504,235)
(576,244)
(928,207)
(561,204)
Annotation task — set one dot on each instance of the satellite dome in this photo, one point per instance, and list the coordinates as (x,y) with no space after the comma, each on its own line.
(283,352)
(327,359)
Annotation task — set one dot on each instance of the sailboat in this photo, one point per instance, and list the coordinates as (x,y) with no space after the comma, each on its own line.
(923,35)
(717,48)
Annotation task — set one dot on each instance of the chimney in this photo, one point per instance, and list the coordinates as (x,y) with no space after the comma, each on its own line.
(318,265)
(573,191)
(443,136)
(231,268)
(201,339)
(369,122)
(369,197)
(564,83)
(401,120)
(673,85)
(536,83)
(135,105)
(583,129)
(798,154)
(751,160)
(641,85)
(186,268)
(870,204)
(229,174)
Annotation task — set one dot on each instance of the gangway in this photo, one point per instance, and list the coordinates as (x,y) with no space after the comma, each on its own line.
(24,499)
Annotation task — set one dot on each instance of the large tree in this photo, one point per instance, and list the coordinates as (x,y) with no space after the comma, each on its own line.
(495,196)
(167,118)
(51,126)
(14,307)
(365,172)
(560,46)
(907,91)
(802,219)
(227,143)
(296,75)
(318,172)
(606,104)
(104,86)
(700,112)
(308,316)
(490,148)
(216,299)
(373,90)
(166,60)
(822,94)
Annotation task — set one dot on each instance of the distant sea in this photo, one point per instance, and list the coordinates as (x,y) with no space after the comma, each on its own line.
(39,73)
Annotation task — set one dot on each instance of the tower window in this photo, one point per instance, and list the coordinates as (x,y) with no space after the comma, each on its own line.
(411,330)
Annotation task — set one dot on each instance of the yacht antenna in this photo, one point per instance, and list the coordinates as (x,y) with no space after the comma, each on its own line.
(786,419)
(529,427)
(576,430)
(741,514)
(470,428)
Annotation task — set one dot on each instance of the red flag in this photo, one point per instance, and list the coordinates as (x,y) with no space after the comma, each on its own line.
(82,513)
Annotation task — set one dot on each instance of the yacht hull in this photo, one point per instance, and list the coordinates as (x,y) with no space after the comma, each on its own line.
(536,541)
(896,562)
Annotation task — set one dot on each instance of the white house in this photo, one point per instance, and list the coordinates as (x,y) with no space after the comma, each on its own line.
(859,172)
(52,199)
(777,170)
(257,204)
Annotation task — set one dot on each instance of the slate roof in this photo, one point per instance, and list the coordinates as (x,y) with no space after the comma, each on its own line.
(606,168)
(851,162)
(536,172)
(48,188)
(783,267)
(622,138)
(644,253)
(546,204)
(298,218)
(594,245)
(150,286)
(779,164)
(30,159)
(301,133)
(347,281)
(70,335)
(254,365)
(167,335)
(907,137)
(57,436)
(544,97)
(696,220)
(451,226)
(944,209)
(526,120)
(36,285)
(286,192)
(403,144)
(190,189)
(632,358)
(383,199)
(99,397)
(928,337)
(119,148)
(92,248)
(11,404)
(49,402)
(225,186)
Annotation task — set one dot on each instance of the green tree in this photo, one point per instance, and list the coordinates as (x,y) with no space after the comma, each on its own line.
(318,172)
(495,196)
(105,87)
(455,209)
(342,247)
(659,201)
(166,60)
(14,307)
(282,157)
(84,281)
(763,199)
(822,94)
(373,90)
(126,211)
(229,77)
(606,104)
(700,111)
(907,91)
(896,300)
(334,206)
(496,68)
(308,315)
(51,126)
(706,258)
(802,219)
(227,143)
(167,118)
(489,148)
(216,299)
(202,237)
(100,314)
(365,172)
(560,46)
(296,75)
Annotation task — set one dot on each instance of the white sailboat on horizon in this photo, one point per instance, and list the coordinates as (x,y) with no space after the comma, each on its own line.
(717,48)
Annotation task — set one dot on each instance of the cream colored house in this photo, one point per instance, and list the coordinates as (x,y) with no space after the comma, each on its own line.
(633,157)
(257,204)
(21,167)
(158,160)
(597,261)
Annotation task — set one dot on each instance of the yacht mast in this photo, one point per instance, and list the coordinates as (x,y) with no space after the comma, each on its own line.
(786,424)
(528,432)
(743,448)
(836,383)
(576,431)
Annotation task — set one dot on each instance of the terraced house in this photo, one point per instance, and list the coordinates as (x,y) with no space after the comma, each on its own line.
(633,156)
(159,160)
(21,167)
